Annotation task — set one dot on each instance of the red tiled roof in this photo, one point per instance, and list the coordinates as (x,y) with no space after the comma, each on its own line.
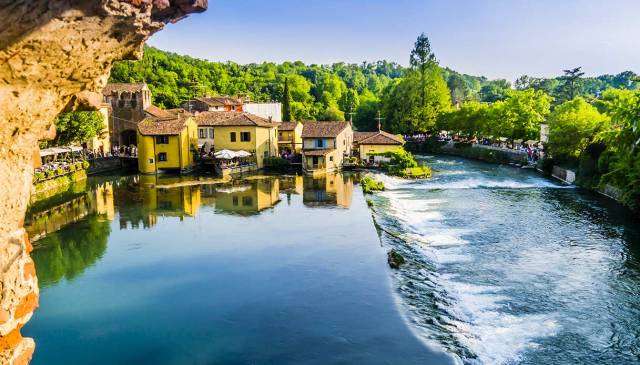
(220,101)
(323,129)
(162,127)
(320,152)
(232,118)
(156,112)
(288,126)
(380,137)
(122,87)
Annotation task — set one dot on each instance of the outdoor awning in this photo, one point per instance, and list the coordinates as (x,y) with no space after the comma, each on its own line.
(242,153)
(225,154)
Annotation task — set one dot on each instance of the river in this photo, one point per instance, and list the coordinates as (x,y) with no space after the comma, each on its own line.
(506,267)
(503,267)
(267,270)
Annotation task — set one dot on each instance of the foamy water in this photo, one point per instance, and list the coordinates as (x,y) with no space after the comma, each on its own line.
(494,273)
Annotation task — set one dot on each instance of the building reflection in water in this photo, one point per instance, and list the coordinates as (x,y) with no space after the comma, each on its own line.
(137,202)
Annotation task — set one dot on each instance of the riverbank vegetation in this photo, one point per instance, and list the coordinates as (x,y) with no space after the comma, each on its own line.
(371,185)
(402,164)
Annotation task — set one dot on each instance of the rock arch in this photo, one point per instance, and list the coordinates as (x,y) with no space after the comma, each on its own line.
(55,55)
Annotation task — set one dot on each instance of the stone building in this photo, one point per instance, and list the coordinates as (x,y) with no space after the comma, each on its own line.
(128,104)
(213,104)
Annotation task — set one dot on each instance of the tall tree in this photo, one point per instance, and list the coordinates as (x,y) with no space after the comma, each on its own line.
(421,60)
(286,102)
(572,82)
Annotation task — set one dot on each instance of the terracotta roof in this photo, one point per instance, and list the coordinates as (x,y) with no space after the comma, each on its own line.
(232,118)
(380,137)
(323,129)
(220,100)
(156,112)
(162,127)
(320,152)
(288,126)
(121,87)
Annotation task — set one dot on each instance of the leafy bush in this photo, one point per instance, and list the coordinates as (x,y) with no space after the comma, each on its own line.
(418,172)
(370,185)
(277,163)
(39,176)
(49,174)
(60,171)
(85,164)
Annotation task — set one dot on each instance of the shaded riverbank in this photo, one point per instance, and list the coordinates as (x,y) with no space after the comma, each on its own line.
(268,270)
(507,267)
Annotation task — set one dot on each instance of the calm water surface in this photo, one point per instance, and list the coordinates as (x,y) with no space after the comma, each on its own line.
(175,271)
(506,267)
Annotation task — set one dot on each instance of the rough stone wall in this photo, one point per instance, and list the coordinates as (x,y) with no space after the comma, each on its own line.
(54,55)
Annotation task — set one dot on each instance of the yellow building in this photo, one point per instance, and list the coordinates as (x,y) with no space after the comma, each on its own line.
(250,198)
(328,190)
(167,144)
(325,145)
(238,131)
(290,137)
(368,144)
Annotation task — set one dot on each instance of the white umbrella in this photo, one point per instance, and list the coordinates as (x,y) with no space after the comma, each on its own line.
(225,154)
(242,154)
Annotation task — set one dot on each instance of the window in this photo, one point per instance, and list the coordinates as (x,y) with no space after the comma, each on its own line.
(319,143)
(202,133)
(162,139)
(232,136)
(150,160)
(247,201)
(235,201)
(162,156)
(210,133)
(330,158)
(245,136)
(279,135)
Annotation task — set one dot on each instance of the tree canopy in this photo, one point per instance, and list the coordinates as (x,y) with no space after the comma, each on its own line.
(77,127)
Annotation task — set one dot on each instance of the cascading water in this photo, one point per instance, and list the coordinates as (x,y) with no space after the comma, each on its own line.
(506,267)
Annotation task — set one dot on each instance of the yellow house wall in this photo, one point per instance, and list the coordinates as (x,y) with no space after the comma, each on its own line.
(366,149)
(179,150)
(262,140)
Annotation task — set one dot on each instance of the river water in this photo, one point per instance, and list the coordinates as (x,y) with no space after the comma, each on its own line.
(506,267)
(286,270)
(503,267)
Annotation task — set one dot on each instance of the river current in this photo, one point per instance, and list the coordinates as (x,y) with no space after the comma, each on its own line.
(507,267)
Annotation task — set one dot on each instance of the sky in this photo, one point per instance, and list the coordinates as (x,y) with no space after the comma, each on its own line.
(492,38)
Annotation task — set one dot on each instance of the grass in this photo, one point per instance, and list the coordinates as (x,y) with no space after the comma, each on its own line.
(418,172)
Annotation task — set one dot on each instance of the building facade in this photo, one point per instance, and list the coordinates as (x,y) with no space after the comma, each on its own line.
(128,103)
(271,111)
(369,145)
(167,144)
(325,145)
(237,131)
(290,137)
(213,104)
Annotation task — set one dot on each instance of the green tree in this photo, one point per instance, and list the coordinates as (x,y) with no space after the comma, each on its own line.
(349,102)
(572,82)
(468,120)
(367,112)
(573,125)
(423,61)
(77,127)
(495,90)
(409,108)
(286,102)
(519,115)
(458,88)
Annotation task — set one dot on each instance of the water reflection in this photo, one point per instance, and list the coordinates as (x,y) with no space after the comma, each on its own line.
(137,202)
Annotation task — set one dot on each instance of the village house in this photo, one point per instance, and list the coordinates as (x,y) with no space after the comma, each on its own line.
(167,143)
(290,137)
(369,145)
(325,145)
(237,131)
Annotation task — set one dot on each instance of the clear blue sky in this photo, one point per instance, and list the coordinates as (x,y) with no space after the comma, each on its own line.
(494,38)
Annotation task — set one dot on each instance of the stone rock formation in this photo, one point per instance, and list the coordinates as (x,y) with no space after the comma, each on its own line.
(54,55)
